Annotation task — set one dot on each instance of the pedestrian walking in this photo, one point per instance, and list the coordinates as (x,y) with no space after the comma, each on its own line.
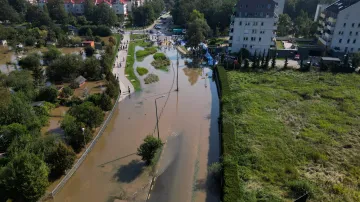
(129,89)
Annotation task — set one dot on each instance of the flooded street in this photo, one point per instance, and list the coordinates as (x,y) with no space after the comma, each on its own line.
(188,123)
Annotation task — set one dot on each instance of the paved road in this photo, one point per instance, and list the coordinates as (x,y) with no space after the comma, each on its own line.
(119,69)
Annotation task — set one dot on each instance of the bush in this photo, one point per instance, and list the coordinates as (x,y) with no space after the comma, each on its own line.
(161,64)
(151,78)
(101,30)
(112,90)
(73,132)
(105,102)
(142,71)
(148,149)
(299,188)
(30,41)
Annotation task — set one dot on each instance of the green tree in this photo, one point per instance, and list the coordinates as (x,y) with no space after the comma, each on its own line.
(105,102)
(284,25)
(57,10)
(104,15)
(89,7)
(25,177)
(74,135)
(30,62)
(303,25)
(255,60)
(38,75)
(60,159)
(9,133)
(88,114)
(355,59)
(91,69)
(246,64)
(51,55)
(148,149)
(48,94)
(273,62)
(65,68)
(21,81)
(67,92)
(112,90)
(8,12)
(37,16)
(267,60)
(198,29)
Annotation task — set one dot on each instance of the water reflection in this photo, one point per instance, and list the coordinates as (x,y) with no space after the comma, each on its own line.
(193,74)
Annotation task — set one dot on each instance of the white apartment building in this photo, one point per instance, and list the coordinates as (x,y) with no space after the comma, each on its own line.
(339,26)
(280,4)
(253,26)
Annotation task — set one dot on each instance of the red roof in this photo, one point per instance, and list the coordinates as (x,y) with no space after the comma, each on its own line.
(102,1)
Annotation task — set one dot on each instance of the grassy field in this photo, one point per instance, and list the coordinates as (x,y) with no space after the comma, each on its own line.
(294,133)
(141,54)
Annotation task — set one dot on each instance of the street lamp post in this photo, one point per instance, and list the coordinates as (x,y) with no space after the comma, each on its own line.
(83,130)
(157,118)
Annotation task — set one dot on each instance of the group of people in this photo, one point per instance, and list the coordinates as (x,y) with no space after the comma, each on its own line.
(123,46)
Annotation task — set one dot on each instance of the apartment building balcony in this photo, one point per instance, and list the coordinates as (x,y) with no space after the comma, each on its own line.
(330,28)
(331,20)
(324,42)
(322,15)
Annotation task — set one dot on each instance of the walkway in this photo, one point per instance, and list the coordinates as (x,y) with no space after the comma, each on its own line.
(119,69)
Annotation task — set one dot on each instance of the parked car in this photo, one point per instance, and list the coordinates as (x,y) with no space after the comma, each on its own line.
(297,57)
(152,31)
(158,27)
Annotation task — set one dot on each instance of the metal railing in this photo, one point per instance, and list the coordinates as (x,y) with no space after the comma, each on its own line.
(71,172)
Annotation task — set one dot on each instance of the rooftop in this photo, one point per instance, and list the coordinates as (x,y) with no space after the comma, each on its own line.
(340,5)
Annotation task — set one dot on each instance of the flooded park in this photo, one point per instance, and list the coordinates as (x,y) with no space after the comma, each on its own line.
(188,125)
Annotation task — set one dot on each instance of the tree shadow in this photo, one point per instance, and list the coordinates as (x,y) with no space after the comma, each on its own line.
(128,173)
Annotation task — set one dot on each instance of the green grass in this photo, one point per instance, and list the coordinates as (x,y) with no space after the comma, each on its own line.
(129,69)
(138,36)
(142,71)
(292,133)
(279,45)
(141,54)
(161,62)
(151,78)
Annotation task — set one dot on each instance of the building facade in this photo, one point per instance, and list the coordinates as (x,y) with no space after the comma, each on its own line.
(253,26)
(339,26)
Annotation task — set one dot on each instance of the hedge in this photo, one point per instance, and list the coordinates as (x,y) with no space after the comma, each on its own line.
(100,30)
(231,185)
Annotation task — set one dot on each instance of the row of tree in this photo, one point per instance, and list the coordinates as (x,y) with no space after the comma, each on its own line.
(31,159)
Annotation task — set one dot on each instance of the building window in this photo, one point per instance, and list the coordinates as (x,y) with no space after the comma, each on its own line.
(261,14)
(356,33)
(231,38)
(245,14)
(339,32)
(344,25)
(259,38)
(353,24)
(240,23)
(255,23)
(358,25)
(346,49)
(350,33)
(254,31)
(244,46)
(340,40)
(232,30)
(352,49)
(348,41)
(262,23)
(251,46)
(246,6)
(269,6)
(354,41)
(245,38)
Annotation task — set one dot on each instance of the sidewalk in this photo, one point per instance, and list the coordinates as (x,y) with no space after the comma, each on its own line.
(120,71)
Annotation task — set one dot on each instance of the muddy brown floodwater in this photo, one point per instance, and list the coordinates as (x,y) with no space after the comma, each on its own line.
(188,122)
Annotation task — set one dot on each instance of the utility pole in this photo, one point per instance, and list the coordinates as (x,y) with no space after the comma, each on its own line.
(157,118)
(177,71)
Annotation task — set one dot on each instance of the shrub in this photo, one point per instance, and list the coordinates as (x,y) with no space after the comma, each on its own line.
(142,71)
(48,94)
(161,64)
(89,51)
(88,114)
(67,92)
(299,188)
(60,159)
(148,149)
(159,56)
(151,78)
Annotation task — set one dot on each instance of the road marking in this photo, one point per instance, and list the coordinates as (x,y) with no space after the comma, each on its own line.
(152,186)
(148,196)
(155,178)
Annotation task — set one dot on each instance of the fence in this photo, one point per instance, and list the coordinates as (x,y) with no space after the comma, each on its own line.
(83,156)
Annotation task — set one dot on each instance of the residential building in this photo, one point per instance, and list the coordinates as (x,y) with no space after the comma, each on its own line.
(253,26)
(279,8)
(339,27)
(319,9)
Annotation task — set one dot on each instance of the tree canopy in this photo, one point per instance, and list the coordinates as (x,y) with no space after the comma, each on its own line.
(198,29)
